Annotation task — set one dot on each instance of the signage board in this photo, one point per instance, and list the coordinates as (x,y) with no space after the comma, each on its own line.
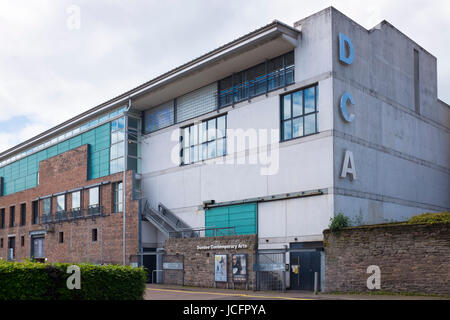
(220,268)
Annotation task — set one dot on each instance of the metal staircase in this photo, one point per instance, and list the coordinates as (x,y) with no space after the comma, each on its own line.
(163,219)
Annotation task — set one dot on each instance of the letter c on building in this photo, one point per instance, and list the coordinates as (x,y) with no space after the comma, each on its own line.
(346,97)
(344,44)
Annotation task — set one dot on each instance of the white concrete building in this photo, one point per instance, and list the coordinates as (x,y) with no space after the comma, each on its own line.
(339,119)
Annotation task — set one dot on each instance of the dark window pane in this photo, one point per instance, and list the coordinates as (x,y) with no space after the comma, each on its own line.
(310,124)
(297,104)
(289,59)
(297,125)
(309,100)
(286,107)
(287,130)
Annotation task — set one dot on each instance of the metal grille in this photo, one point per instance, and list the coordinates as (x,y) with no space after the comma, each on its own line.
(270,271)
(197,102)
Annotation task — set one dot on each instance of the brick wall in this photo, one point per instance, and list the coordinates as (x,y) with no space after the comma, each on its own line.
(199,264)
(412,258)
(61,173)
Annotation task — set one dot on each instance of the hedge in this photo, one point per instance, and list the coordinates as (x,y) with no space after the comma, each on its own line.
(430,218)
(37,281)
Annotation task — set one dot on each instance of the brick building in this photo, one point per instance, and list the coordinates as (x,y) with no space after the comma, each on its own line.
(270,135)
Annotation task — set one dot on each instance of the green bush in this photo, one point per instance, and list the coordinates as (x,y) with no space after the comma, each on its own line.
(431,218)
(36,281)
(338,222)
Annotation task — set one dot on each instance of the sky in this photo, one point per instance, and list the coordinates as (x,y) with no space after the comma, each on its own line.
(61,58)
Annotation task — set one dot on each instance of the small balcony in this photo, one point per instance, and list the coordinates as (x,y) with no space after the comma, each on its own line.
(47,218)
(60,216)
(94,210)
(76,213)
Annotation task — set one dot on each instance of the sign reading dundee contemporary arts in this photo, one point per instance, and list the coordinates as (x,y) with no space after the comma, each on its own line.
(220,268)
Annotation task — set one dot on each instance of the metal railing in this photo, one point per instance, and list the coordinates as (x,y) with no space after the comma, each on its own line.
(203,232)
(76,213)
(94,210)
(61,216)
(73,214)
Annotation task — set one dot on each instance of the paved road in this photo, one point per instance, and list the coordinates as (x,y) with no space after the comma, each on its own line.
(165,292)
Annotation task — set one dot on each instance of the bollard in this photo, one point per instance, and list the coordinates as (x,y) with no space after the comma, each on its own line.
(316,282)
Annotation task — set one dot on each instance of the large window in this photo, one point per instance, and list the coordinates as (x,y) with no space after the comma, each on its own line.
(94,196)
(47,206)
(205,140)
(23,214)
(2,218)
(299,113)
(12,216)
(61,203)
(160,117)
(117,145)
(264,77)
(118,196)
(76,200)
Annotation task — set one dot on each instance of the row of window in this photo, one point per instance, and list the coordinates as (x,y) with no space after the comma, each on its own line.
(61,205)
(208,139)
(37,247)
(260,79)
(86,126)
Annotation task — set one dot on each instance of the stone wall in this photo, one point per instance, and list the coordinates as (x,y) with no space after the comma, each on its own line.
(199,263)
(412,258)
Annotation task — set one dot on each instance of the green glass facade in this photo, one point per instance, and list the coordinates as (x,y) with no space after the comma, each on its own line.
(23,174)
(243,217)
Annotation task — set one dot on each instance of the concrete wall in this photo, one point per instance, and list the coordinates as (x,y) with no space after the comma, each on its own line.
(402,158)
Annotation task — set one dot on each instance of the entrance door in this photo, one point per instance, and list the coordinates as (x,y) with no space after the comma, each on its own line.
(37,248)
(303,265)
(150,264)
(11,248)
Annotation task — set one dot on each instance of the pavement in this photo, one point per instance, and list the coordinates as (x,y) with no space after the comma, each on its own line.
(171,292)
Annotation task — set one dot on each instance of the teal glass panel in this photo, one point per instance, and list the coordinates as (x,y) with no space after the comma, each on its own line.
(242,217)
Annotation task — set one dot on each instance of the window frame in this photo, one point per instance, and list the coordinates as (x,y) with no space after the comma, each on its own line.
(205,141)
(98,196)
(117,199)
(58,198)
(303,114)
(79,200)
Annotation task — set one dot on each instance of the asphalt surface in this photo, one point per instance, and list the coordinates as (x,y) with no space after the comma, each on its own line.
(167,292)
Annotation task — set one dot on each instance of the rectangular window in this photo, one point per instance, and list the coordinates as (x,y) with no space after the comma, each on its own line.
(299,113)
(35,212)
(76,200)
(1,243)
(196,103)
(2,218)
(23,214)
(271,75)
(12,216)
(22,241)
(61,203)
(160,117)
(204,140)
(61,237)
(94,235)
(94,198)
(117,149)
(47,206)
(118,196)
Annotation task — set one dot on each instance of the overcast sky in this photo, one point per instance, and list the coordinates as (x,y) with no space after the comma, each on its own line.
(52,69)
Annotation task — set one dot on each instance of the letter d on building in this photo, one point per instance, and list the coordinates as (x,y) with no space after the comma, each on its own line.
(346,51)
(374,281)
(74,281)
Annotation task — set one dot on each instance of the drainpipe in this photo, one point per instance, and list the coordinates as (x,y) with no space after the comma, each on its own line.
(125,184)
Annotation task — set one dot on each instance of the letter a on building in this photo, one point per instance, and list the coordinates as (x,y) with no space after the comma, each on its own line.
(349,166)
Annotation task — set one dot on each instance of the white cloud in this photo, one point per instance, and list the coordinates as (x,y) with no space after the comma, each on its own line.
(50,73)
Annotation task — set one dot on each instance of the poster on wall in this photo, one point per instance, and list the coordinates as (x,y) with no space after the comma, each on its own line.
(220,267)
(239,267)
